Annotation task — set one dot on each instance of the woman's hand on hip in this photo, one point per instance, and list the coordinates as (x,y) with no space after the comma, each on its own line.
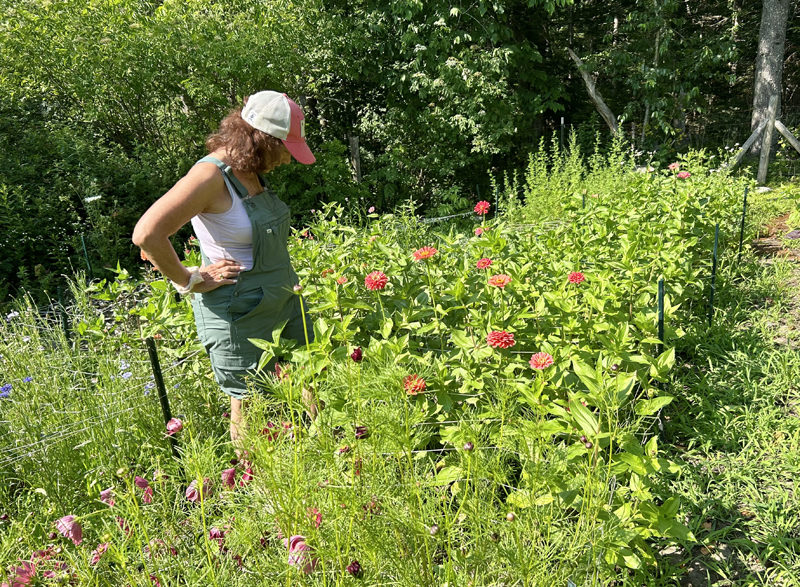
(222,272)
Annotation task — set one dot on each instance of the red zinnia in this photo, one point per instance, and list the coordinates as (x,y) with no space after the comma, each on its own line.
(413,384)
(483,263)
(576,277)
(501,339)
(376,280)
(424,253)
(541,361)
(500,280)
(482,207)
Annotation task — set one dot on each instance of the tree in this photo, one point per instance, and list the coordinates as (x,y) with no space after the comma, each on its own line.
(769,61)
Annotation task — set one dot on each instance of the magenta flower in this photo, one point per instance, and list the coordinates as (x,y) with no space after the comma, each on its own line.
(357,355)
(247,476)
(106,496)
(300,554)
(229,478)
(541,361)
(97,553)
(141,482)
(576,277)
(482,207)
(673,166)
(376,281)
(147,496)
(174,426)
(316,516)
(684,175)
(478,231)
(270,431)
(193,492)
(71,529)
(354,568)
(361,432)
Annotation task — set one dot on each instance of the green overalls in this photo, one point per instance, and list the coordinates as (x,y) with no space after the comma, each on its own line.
(260,299)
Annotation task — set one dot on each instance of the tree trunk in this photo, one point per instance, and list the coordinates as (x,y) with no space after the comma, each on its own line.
(769,62)
(595,96)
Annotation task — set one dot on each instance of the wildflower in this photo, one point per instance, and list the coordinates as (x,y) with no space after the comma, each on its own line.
(26,339)
(413,384)
(357,354)
(123,365)
(11,315)
(148,387)
(482,207)
(247,476)
(342,280)
(541,361)
(229,478)
(106,496)
(478,231)
(23,575)
(71,529)
(141,482)
(193,492)
(500,339)
(361,432)
(373,238)
(316,516)
(371,210)
(5,390)
(126,375)
(281,372)
(469,446)
(97,553)
(155,581)
(216,534)
(576,277)
(174,426)
(300,554)
(424,253)
(270,431)
(684,175)
(376,281)
(673,166)
(326,272)
(433,530)
(354,568)
(147,496)
(500,280)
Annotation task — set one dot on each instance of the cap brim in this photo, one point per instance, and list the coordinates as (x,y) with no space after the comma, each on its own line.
(300,151)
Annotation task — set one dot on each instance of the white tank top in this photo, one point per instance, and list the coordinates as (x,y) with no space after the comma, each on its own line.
(227,235)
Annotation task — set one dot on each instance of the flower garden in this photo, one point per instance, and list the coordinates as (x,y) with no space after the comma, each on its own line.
(491,397)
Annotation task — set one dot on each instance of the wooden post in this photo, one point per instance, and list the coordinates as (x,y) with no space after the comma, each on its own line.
(747,144)
(355,157)
(787,134)
(766,143)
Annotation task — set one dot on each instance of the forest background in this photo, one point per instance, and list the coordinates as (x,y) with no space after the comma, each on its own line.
(107,102)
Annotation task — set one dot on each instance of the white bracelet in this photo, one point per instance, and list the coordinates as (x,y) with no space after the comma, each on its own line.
(195,278)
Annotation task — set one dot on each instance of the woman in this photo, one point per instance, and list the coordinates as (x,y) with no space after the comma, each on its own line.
(244,288)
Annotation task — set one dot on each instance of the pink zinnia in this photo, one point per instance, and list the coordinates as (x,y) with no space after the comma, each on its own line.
(68,527)
(98,552)
(684,175)
(376,280)
(300,554)
(576,277)
(478,231)
(541,361)
(500,280)
(342,280)
(482,207)
(674,166)
(424,253)
(500,339)
(229,478)
(174,426)
(413,384)
(483,263)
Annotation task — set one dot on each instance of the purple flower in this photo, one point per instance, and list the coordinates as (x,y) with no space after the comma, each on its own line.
(27,379)
(68,527)
(354,568)
(229,478)
(357,355)
(300,554)
(126,375)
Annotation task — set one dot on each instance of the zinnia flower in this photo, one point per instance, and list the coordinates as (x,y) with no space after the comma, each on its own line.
(482,207)
(342,280)
(673,166)
(98,552)
(576,277)
(376,281)
(483,263)
(541,361)
(684,175)
(300,554)
(68,527)
(478,231)
(500,339)
(500,280)
(424,253)
(413,384)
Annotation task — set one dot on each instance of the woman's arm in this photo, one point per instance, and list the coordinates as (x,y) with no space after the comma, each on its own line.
(192,194)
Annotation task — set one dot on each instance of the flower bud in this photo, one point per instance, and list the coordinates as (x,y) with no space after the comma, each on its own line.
(511,516)
(434,530)
(468,446)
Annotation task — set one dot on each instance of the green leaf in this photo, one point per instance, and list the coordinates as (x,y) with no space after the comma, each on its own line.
(651,406)
(446,476)
(583,417)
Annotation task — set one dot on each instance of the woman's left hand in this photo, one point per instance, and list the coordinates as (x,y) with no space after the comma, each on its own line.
(222,272)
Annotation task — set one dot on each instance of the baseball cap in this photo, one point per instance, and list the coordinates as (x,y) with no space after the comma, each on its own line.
(278,115)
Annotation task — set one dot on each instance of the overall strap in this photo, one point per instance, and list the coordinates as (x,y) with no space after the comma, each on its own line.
(227,171)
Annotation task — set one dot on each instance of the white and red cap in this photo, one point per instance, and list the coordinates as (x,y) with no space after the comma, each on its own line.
(278,115)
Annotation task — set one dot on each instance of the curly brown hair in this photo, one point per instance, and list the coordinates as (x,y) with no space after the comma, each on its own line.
(249,149)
